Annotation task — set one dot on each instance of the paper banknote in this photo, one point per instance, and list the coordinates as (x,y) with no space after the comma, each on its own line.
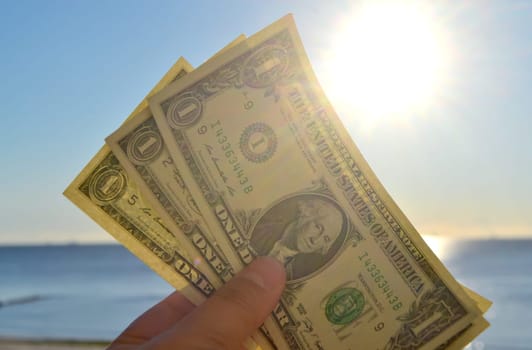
(105,192)
(274,172)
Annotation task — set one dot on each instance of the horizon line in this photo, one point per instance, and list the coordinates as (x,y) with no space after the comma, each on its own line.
(111,242)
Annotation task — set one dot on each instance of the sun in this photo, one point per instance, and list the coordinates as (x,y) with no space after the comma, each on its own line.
(386,60)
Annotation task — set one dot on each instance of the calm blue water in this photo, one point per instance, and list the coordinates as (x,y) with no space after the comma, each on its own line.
(93,292)
(89,292)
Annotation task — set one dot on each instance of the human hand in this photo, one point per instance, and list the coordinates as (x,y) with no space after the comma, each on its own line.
(224,321)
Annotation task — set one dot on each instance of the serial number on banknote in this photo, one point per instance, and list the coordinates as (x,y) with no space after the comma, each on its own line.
(381,281)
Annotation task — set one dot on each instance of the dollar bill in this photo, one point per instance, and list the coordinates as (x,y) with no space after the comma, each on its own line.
(105,192)
(274,172)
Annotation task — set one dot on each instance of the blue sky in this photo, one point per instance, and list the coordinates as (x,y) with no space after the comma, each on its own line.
(73,70)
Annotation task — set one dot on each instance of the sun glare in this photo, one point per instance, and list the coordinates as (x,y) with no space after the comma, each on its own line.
(385,61)
(437,244)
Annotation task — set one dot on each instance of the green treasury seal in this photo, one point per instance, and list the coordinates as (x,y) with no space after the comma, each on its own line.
(344,306)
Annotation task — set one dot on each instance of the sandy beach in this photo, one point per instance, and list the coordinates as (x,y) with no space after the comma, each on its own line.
(22,344)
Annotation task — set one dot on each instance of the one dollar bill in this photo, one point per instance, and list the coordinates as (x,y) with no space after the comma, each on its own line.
(274,172)
(104,191)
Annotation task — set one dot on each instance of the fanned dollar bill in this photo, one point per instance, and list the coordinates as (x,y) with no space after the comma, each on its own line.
(274,172)
(105,192)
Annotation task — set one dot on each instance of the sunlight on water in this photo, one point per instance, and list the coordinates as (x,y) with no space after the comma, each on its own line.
(438,245)
(475,345)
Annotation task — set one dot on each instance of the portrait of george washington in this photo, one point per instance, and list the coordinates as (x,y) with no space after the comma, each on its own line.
(304,232)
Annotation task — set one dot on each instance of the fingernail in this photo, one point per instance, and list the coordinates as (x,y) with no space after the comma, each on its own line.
(266,272)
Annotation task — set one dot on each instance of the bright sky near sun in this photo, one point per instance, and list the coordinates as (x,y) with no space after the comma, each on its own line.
(436,94)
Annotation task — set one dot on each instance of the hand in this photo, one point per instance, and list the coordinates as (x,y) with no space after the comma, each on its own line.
(224,321)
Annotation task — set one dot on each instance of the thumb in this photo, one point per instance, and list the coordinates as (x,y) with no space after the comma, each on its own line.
(234,312)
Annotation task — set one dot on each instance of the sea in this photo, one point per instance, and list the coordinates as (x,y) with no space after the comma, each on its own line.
(92,292)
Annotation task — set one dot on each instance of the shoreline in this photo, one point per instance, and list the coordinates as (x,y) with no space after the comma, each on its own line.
(12,343)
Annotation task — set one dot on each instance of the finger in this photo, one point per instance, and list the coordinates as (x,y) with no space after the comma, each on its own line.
(155,321)
(233,313)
